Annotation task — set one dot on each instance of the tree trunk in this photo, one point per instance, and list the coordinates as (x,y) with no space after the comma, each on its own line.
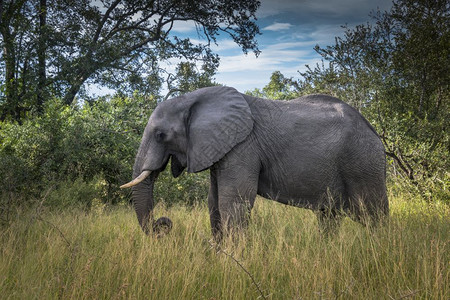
(9,11)
(69,97)
(42,77)
(84,71)
(9,57)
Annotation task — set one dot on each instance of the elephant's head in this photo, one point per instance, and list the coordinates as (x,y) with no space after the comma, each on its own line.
(195,131)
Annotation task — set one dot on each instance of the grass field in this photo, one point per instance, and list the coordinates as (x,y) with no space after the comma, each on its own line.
(104,255)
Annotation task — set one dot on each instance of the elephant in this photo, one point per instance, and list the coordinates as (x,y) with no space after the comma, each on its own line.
(314,152)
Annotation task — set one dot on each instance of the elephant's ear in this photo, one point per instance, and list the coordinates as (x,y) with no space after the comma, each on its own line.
(219,119)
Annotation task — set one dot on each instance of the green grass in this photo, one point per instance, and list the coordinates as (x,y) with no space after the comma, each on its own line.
(104,255)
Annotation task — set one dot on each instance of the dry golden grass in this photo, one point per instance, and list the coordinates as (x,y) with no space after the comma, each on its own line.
(104,255)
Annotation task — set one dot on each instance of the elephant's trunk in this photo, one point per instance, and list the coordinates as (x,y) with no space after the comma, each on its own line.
(142,187)
(143,202)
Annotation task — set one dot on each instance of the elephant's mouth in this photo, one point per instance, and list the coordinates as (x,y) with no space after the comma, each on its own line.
(176,168)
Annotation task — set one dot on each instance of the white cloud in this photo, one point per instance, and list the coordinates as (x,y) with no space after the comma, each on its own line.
(326,34)
(246,72)
(249,79)
(225,44)
(272,58)
(184,26)
(278,26)
(292,45)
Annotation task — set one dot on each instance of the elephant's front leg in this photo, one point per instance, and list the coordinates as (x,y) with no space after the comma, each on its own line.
(237,187)
(213,206)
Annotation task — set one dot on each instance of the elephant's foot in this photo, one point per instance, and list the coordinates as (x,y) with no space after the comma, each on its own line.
(162,226)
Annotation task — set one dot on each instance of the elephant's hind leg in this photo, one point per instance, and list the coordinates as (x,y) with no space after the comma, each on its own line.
(329,220)
(368,203)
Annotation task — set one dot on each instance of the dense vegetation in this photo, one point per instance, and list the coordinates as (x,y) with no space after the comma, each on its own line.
(66,230)
(72,155)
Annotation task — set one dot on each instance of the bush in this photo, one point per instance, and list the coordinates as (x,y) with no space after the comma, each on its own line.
(74,194)
(67,143)
(188,188)
(85,151)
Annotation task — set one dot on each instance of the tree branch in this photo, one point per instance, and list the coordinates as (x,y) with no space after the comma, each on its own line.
(103,21)
(117,29)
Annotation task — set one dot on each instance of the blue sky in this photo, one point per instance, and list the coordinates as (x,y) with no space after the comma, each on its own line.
(290,30)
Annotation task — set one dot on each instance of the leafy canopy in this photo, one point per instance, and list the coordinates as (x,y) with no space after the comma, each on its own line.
(54,47)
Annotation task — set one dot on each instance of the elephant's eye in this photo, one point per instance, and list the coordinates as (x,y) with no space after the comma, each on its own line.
(160,136)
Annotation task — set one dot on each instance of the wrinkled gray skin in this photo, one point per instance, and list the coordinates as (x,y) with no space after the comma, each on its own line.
(314,152)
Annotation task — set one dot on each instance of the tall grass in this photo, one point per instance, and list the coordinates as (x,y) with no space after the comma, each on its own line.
(104,255)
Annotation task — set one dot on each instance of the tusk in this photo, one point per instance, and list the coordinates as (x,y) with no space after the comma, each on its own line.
(137,180)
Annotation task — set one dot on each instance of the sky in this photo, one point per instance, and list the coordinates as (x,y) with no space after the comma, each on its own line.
(290,30)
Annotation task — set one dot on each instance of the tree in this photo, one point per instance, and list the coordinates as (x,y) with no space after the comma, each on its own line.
(68,43)
(278,88)
(188,77)
(41,54)
(14,30)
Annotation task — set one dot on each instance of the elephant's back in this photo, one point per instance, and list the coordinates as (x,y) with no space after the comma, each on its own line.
(318,98)
(313,119)
(318,104)
(324,108)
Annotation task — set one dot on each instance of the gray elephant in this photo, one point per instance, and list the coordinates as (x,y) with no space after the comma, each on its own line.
(314,152)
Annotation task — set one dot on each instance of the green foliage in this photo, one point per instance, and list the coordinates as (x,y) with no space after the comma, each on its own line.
(69,143)
(75,154)
(53,47)
(188,78)
(76,194)
(188,189)
(278,88)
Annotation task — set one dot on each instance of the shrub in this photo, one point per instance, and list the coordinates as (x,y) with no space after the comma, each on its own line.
(74,194)
(90,146)
(70,142)
(188,188)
